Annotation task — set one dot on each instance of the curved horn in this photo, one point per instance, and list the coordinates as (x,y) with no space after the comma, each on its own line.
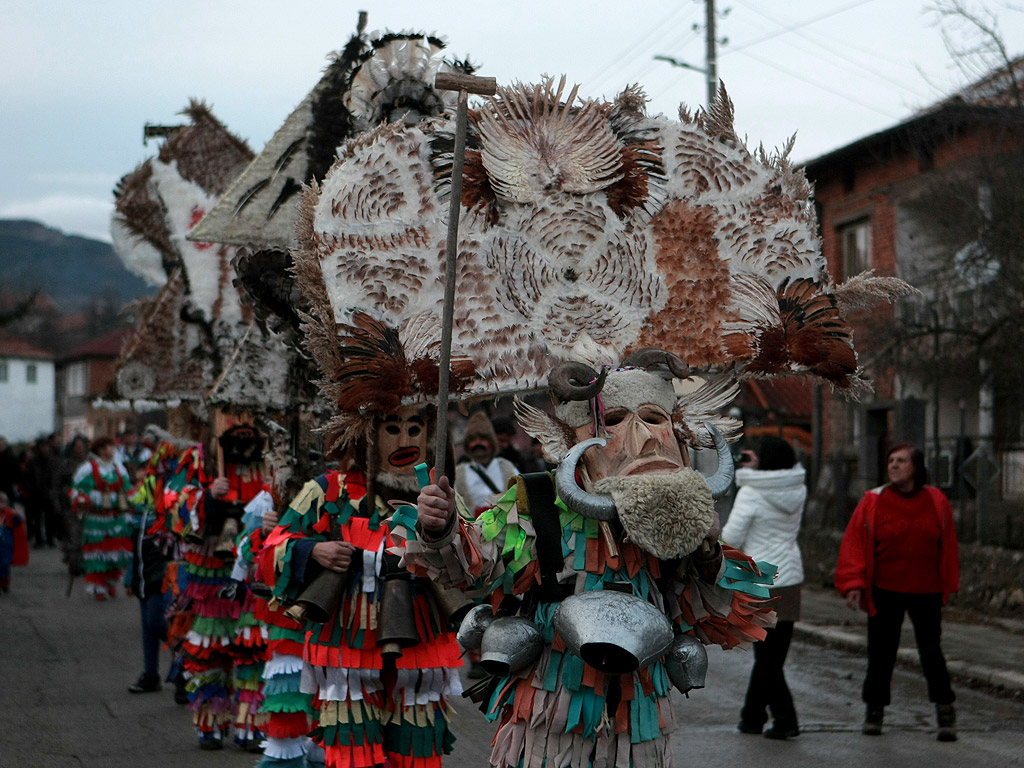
(587,504)
(565,381)
(720,481)
(650,356)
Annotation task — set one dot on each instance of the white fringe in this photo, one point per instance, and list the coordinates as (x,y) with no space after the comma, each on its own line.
(282,664)
(285,749)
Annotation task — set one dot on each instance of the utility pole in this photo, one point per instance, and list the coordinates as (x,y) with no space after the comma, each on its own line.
(711,66)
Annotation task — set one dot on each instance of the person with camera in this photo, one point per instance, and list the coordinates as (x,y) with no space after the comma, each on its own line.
(764,523)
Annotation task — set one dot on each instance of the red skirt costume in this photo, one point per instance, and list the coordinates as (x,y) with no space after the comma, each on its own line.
(370,710)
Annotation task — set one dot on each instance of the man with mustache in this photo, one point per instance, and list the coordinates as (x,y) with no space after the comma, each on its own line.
(378,704)
(485,476)
(645,526)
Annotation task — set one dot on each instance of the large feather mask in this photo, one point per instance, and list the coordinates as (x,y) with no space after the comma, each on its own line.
(588,230)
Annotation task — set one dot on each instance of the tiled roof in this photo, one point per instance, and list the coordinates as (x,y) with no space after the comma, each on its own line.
(12,346)
(107,345)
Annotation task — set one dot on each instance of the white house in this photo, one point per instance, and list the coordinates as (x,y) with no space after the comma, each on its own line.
(27,394)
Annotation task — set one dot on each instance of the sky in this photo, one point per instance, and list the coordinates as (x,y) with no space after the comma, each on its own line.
(79,80)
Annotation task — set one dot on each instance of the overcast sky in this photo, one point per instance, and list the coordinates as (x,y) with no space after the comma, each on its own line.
(79,79)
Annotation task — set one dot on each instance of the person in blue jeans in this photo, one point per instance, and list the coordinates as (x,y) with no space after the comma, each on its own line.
(144,579)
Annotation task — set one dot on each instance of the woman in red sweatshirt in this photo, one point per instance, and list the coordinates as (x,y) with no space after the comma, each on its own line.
(899,556)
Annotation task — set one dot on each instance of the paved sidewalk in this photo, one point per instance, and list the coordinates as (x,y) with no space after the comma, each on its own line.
(991,653)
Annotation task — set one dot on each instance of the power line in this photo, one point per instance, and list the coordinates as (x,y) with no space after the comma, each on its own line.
(833,52)
(800,76)
(638,50)
(793,28)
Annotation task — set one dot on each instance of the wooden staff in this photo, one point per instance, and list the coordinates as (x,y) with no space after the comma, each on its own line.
(464,84)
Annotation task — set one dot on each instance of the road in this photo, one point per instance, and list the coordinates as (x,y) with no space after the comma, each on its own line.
(65,664)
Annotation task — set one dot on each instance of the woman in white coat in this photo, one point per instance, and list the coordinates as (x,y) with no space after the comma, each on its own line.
(764,523)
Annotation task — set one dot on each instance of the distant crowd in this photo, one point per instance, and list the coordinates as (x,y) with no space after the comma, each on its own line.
(36,477)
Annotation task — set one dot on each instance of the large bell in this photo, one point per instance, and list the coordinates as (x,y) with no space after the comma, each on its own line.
(319,600)
(509,644)
(396,623)
(471,630)
(452,603)
(256,584)
(612,631)
(225,547)
(686,663)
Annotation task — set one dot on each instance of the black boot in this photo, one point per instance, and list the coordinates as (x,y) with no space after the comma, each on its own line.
(180,694)
(873,721)
(148,682)
(945,714)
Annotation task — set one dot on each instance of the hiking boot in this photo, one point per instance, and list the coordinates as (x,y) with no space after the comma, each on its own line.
(180,694)
(945,714)
(781,734)
(209,741)
(148,682)
(873,721)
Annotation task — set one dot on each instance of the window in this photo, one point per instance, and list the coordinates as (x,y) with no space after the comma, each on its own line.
(3,370)
(31,373)
(76,380)
(855,247)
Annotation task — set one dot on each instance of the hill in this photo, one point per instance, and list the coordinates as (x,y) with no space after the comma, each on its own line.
(72,270)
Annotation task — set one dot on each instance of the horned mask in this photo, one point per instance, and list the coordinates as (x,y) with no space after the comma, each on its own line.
(628,432)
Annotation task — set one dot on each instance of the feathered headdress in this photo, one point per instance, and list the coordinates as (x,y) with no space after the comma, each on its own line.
(590,230)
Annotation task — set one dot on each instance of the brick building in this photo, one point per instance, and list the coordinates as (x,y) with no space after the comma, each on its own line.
(85,374)
(872,199)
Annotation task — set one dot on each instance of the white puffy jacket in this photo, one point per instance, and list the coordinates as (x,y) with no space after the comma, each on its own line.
(765,519)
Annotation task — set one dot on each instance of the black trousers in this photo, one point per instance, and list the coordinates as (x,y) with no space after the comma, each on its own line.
(925,611)
(767,689)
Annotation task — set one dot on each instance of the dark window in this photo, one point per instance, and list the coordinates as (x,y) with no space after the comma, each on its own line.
(855,247)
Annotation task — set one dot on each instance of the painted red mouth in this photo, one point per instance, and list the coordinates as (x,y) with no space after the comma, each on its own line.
(403,457)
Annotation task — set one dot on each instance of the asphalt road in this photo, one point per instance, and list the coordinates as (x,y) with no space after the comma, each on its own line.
(65,664)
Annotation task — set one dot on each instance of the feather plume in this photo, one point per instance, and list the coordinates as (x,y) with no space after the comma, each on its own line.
(865,290)
(705,404)
(554,436)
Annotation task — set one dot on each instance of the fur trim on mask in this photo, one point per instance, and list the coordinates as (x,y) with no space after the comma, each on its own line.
(626,388)
(666,515)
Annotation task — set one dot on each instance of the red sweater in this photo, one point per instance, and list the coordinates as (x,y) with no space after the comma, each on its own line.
(870,535)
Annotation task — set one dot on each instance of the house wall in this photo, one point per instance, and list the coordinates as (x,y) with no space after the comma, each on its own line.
(873,185)
(27,410)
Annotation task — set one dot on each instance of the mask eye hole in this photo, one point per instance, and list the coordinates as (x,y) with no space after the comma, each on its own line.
(414,430)
(653,416)
(614,417)
(392,429)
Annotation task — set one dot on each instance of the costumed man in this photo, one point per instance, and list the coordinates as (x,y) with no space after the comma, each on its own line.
(383,663)
(482,479)
(287,710)
(571,687)
(99,499)
(13,542)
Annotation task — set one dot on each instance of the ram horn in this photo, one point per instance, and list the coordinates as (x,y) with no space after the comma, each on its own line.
(720,482)
(647,357)
(590,505)
(575,381)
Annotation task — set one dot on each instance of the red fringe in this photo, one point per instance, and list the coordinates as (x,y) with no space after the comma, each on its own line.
(287,725)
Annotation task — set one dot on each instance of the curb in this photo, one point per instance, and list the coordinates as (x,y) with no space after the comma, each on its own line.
(962,670)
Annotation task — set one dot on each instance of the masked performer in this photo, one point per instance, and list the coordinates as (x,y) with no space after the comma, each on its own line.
(98,496)
(383,662)
(589,230)
(641,542)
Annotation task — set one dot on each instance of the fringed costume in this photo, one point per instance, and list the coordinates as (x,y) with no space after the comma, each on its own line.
(560,711)
(371,709)
(99,497)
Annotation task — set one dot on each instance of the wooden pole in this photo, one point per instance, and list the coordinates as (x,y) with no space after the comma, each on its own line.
(464,84)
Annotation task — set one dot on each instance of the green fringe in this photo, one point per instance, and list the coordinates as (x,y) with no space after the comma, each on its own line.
(287,702)
(419,741)
(212,627)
